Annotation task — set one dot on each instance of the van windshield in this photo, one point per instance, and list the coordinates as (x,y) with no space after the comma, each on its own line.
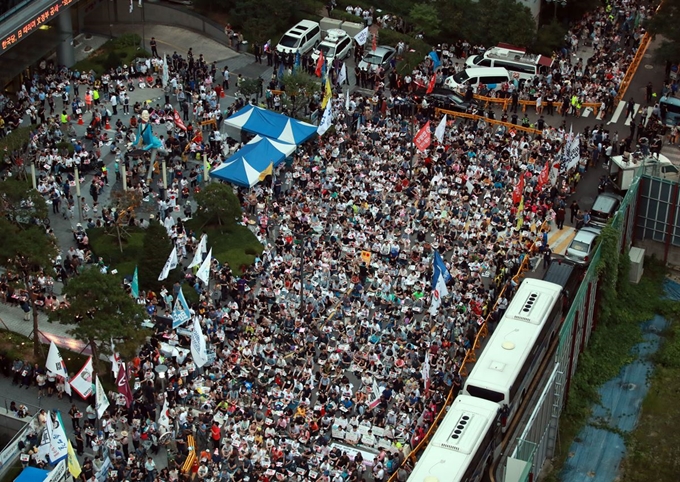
(477,59)
(288,41)
(328,50)
(461,77)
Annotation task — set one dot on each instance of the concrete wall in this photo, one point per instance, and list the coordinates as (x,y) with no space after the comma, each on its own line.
(157,13)
(658,250)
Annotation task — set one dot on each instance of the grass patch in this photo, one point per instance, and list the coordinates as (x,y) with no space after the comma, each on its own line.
(105,246)
(235,245)
(609,350)
(118,51)
(654,446)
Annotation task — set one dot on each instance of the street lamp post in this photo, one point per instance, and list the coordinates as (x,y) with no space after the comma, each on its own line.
(412,108)
(302,275)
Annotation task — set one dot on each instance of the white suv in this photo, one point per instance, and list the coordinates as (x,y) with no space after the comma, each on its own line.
(300,39)
(336,45)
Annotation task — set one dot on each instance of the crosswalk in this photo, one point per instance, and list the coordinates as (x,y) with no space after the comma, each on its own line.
(621,108)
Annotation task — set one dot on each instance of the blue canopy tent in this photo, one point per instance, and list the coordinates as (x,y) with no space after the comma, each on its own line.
(32,474)
(246,165)
(257,120)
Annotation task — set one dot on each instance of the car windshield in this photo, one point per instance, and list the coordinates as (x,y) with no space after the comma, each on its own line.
(455,98)
(288,41)
(372,59)
(328,50)
(461,77)
(477,59)
(577,245)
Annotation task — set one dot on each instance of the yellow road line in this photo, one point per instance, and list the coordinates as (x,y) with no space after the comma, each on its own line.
(563,244)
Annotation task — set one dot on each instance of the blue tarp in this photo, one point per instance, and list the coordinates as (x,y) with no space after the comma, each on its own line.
(597,453)
(32,474)
(257,120)
(246,165)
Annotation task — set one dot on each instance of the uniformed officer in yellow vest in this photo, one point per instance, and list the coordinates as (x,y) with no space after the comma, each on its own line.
(63,119)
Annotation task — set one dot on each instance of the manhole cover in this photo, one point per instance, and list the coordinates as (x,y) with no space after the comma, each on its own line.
(87,48)
(649,66)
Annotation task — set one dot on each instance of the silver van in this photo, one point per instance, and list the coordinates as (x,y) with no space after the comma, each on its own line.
(520,64)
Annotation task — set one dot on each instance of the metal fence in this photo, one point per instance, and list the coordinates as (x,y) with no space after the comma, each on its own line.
(659,211)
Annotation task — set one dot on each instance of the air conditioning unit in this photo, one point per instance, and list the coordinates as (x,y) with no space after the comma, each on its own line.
(637,261)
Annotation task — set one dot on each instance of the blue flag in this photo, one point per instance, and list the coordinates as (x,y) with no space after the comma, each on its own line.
(180,312)
(296,65)
(435,59)
(440,275)
(280,75)
(134,286)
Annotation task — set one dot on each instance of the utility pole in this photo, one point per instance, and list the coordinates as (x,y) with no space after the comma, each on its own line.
(302,275)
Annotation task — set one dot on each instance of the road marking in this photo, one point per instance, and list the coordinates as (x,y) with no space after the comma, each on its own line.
(564,242)
(632,116)
(617,113)
(650,109)
(600,114)
(586,112)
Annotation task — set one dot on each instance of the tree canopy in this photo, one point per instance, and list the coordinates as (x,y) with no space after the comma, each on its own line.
(217,203)
(155,251)
(664,23)
(102,311)
(300,88)
(20,203)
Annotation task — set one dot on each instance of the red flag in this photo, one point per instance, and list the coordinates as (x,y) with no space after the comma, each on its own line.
(519,189)
(123,385)
(319,64)
(374,47)
(178,121)
(423,138)
(430,86)
(544,176)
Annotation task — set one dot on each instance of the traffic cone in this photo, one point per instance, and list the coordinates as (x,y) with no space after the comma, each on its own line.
(107,126)
(222,93)
(80,119)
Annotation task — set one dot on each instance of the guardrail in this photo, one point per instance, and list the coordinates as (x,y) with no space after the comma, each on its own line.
(509,125)
(506,102)
(470,357)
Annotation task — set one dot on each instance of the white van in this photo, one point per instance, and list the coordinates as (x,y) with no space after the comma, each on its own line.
(492,77)
(520,64)
(300,39)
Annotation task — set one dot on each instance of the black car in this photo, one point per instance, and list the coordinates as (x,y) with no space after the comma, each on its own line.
(444,99)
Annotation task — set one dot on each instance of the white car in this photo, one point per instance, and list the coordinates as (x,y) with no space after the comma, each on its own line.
(337,44)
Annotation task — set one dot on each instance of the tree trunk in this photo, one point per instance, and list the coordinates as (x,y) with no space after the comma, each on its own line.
(34,312)
(95,358)
(120,241)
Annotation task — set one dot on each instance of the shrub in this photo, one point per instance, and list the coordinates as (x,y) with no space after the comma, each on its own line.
(17,140)
(127,40)
(345,16)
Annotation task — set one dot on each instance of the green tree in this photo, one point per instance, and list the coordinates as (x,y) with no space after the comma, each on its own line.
(300,87)
(27,251)
(217,203)
(664,23)
(550,38)
(102,310)
(425,18)
(21,204)
(156,248)
(250,87)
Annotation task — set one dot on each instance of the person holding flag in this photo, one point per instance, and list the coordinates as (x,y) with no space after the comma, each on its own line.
(440,276)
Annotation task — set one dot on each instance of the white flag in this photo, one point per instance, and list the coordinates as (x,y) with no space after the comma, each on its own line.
(441,130)
(55,363)
(326,120)
(170,264)
(58,441)
(203,272)
(82,382)
(573,152)
(342,75)
(44,447)
(362,36)
(347,100)
(200,250)
(166,72)
(101,400)
(199,351)
(163,418)
(58,473)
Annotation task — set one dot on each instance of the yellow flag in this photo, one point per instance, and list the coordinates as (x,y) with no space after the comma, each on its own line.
(366,257)
(73,464)
(206,165)
(328,93)
(267,172)
(520,214)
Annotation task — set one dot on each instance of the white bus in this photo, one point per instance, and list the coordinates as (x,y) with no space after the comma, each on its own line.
(460,449)
(511,358)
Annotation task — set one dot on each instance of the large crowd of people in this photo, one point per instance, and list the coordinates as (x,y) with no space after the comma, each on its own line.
(326,363)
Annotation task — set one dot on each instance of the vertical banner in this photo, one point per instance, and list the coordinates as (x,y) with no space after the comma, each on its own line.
(123,385)
(101,400)
(199,351)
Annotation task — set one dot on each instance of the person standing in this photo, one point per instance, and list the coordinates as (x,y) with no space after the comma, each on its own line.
(114,104)
(257,50)
(547,257)
(154,47)
(225,80)
(560,215)
(574,208)
(650,92)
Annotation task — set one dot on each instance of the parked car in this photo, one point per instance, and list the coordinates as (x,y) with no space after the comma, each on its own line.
(582,247)
(604,208)
(337,44)
(444,99)
(380,57)
(302,38)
